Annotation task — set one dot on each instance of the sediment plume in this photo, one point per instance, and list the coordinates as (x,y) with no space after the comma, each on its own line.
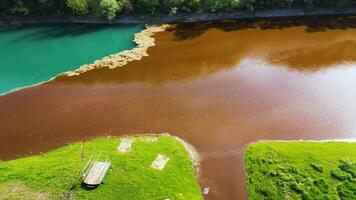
(143,39)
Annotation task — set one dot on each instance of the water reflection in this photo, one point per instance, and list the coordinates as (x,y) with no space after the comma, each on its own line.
(219,114)
(43,32)
(214,51)
(184,31)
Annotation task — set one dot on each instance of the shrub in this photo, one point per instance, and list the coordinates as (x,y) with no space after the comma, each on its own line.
(349,167)
(109,8)
(339,175)
(220,5)
(79,7)
(19,9)
(297,188)
(321,185)
(317,168)
(347,190)
(145,6)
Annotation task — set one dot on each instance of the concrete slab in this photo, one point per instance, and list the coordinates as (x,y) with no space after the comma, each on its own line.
(125,144)
(160,162)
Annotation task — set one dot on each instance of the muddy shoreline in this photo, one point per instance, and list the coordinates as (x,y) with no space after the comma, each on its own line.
(144,40)
(194,17)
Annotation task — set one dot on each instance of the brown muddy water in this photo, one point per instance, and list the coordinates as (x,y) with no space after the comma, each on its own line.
(217,86)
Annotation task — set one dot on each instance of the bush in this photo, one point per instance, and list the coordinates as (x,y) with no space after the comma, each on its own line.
(349,167)
(317,168)
(321,185)
(190,5)
(347,190)
(109,8)
(19,8)
(339,175)
(145,6)
(297,188)
(78,7)
(220,5)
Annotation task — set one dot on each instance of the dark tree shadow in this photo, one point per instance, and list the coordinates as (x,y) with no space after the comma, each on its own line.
(190,30)
(41,32)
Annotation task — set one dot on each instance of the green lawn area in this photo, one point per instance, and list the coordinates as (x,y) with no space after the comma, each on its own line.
(301,170)
(57,174)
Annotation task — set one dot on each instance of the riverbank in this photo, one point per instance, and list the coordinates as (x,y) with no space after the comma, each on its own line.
(38,46)
(143,40)
(307,170)
(57,173)
(186,17)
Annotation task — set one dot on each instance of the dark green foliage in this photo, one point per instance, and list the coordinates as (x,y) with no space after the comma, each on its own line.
(190,5)
(18,7)
(317,168)
(78,7)
(349,167)
(110,8)
(46,6)
(297,188)
(339,175)
(4,6)
(220,5)
(321,185)
(145,6)
(105,8)
(301,170)
(347,190)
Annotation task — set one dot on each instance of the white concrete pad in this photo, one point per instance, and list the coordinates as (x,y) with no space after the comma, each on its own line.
(125,144)
(160,162)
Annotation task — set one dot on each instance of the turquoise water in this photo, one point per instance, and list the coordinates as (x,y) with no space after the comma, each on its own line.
(32,54)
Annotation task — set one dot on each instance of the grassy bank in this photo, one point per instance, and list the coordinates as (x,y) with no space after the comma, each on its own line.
(301,170)
(56,174)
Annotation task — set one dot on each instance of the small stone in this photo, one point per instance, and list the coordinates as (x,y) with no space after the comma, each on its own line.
(206,191)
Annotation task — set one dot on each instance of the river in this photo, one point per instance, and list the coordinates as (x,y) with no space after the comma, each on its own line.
(35,53)
(219,86)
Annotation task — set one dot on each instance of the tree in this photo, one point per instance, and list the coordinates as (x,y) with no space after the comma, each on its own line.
(105,8)
(190,5)
(220,5)
(44,6)
(5,6)
(109,8)
(79,7)
(19,8)
(248,4)
(145,6)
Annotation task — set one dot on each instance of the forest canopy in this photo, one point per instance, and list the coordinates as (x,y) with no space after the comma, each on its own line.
(111,8)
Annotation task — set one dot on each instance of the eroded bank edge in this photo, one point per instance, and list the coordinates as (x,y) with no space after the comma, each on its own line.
(144,41)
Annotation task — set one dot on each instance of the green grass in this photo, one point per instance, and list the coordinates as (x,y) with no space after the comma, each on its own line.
(301,170)
(54,175)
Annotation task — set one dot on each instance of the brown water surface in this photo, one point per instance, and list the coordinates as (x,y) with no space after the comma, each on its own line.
(217,88)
